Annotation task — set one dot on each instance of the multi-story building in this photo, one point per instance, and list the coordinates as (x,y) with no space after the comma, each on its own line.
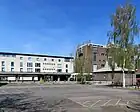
(18,66)
(94,55)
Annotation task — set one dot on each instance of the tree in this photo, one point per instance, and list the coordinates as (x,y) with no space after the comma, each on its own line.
(137,56)
(79,68)
(124,30)
(111,60)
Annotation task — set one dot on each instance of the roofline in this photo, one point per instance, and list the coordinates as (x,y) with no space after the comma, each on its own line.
(94,45)
(39,55)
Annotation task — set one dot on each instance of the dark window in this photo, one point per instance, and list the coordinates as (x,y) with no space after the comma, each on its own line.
(99,60)
(59,70)
(102,65)
(29,70)
(29,58)
(21,69)
(52,59)
(67,60)
(66,65)
(66,70)
(37,59)
(103,60)
(45,59)
(12,64)
(3,63)
(138,76)
(37,64)
(102,54)
(94,56)
(21,64)
(21,58)
(12,69)
(3,69)
(37,70)
(29,64)
(13,55)
(59,60)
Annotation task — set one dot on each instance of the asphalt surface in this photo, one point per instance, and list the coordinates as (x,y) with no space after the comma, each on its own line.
(66,98)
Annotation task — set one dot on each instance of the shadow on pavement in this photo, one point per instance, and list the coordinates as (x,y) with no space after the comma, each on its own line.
(3,84)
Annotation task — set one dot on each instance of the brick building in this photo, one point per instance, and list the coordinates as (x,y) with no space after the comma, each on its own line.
(93,55)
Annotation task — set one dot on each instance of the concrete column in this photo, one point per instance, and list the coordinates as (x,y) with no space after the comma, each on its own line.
(51,78)
(123,79)
(58,78)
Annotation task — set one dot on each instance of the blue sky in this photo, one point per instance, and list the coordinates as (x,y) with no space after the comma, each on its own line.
(55,27)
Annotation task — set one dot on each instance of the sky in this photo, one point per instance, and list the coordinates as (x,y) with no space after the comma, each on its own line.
(55,27)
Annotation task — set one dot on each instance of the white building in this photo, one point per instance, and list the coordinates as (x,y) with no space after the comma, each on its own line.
(17,66)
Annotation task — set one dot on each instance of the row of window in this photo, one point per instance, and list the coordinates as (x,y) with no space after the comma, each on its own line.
(103,60)
(31,70)
(3,69)
(4,55)
(48,63)
(30,64)
(3,63)
(45,59)
(95,54)
(48,69)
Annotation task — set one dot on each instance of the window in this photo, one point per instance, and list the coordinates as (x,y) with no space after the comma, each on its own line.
(37,70)
(59,65)
(37,59)
(66,70)
(21,69)
(103,60)
(52,59)
(3,63)
(99,60)
(138,76)
(59,60)
(13,55)
(102,65)
(29,58)
(94,56)
(66,65)
(37,64)
(102,54)
(59,70)
(12,64)
(21,64)
(21,58)
(67,60)
(12,69)
(3,69)
(29,70)
(45,59)
(29,64)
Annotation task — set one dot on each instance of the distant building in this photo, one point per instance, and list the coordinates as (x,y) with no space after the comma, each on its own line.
(18,66)
(94,56)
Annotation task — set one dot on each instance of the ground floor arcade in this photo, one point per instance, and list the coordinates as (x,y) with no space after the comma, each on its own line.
(11,77)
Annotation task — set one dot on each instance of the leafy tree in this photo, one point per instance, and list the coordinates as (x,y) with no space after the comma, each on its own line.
(79,68)
(137,56)
(124,30)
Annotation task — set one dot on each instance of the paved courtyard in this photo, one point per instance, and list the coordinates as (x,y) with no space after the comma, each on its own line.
(65,98)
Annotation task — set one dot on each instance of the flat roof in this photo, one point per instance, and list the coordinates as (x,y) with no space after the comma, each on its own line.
(39,55)
(32,73)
